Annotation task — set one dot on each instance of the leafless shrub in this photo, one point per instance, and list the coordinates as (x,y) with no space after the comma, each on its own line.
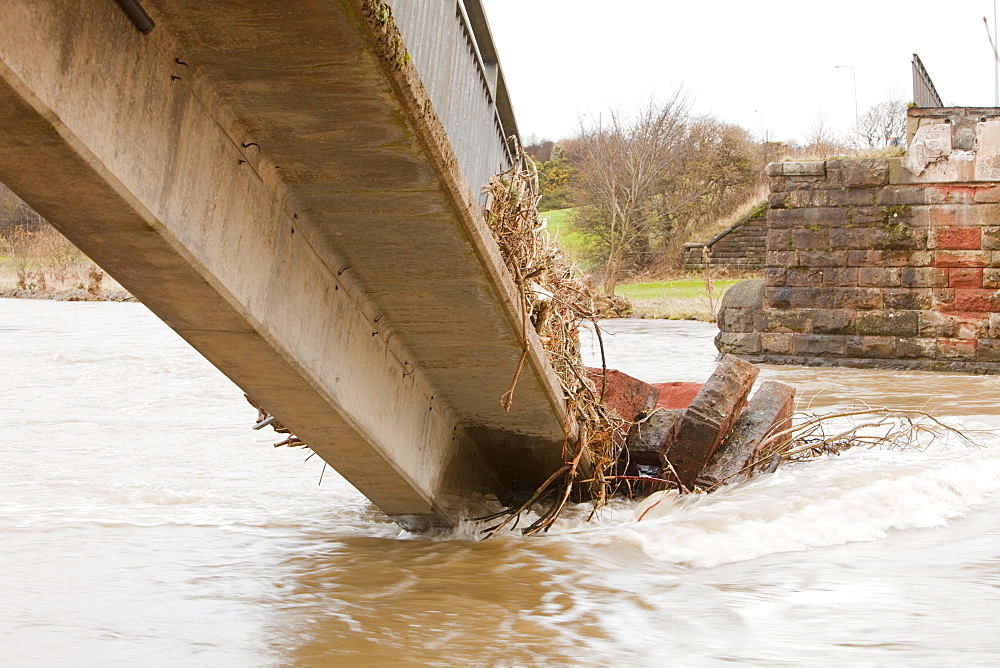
(94,279)
(57,257)
(821,140)
(38,260)
(18,243)
(883,124)
(815,435)
(646,181)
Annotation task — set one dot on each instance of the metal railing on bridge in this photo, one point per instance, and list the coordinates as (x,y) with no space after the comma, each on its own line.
(452,49)
(924,92)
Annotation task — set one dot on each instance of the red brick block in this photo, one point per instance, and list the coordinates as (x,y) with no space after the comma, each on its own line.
(774,277)
(972,325)
(942,297)
(960,258)
(944,215)
(768,413)
(804,277)
(840,276)
(878,277)
(779,239)
(965,277)
(676,394)
(710,417)
(867,258)
(970,300)
(959,238)
(648,439)
(624,395)
(954,325)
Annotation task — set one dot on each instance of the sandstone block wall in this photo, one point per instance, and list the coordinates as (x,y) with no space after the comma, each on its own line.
(870,263)
(741,248)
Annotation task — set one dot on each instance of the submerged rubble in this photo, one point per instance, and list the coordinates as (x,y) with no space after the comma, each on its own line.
(693,436)
(697,439)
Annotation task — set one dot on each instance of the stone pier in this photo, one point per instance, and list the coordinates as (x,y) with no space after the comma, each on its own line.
(882,262)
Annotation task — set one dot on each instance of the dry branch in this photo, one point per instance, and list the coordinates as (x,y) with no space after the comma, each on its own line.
(555,300)
(812,435)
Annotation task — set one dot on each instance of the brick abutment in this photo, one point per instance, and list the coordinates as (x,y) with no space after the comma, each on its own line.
(869,264)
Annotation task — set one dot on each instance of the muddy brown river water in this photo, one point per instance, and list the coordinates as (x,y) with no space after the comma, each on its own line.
(142,522)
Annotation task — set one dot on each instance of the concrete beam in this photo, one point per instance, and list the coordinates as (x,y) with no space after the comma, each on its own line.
(266,182)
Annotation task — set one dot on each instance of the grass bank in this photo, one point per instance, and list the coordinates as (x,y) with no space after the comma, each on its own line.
(558,227)
(681,298)
(684,298)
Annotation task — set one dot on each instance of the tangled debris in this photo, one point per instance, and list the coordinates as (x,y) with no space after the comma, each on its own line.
(868,427)
(265,419)
(555,301)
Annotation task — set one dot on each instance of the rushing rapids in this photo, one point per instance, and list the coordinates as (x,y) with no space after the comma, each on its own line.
(141,520)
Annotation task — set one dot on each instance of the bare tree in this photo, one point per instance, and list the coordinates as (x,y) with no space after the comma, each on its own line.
(821,141)
(646,183)
(622,163)
(883,124)
(721,170)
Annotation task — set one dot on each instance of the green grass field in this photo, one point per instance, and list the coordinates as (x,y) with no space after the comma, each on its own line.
(558,228)
(680,298)
(682,288)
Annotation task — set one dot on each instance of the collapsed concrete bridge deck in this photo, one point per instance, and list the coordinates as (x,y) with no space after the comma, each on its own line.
(293,188)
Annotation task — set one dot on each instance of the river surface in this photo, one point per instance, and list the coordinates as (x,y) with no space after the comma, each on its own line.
(143,523)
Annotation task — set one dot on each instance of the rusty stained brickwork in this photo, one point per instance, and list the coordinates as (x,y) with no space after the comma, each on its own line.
(868,267)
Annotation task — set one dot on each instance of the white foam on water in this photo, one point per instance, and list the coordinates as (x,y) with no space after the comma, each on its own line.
(861,495)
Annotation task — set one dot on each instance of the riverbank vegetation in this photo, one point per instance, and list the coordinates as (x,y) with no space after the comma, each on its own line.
(37,262)
(627,190)
(683,296)
(641,183)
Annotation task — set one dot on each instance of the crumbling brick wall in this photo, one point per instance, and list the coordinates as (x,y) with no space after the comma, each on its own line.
(874,263)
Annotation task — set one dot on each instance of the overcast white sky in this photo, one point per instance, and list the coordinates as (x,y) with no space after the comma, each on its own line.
(564,59)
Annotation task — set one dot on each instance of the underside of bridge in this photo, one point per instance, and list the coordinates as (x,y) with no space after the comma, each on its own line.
(272,180)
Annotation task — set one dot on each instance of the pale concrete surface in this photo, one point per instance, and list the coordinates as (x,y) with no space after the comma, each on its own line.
(272,182)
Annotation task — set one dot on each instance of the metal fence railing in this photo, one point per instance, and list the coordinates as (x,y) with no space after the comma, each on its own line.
(924,92)
(453,51)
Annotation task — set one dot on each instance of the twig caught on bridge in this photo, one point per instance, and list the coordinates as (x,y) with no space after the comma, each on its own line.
(555,300)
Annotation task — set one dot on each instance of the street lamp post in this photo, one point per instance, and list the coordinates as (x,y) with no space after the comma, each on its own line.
(854,75)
